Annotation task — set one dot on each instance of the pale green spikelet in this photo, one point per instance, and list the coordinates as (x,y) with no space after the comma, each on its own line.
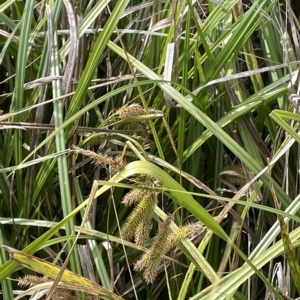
(134,109)
(143,229)
(141,264)
(148,180)
(187,231)
(115,163)
(140,213)
(32,280)
(134,196)
(151,260)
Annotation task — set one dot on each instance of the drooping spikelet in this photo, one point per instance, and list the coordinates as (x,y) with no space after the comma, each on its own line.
(133,197)
(187,231)
(115,163)
(133,110)
(147,180)
(150,261)
(129,111)
(32,280)
(139,222)
(139,215)
(143,229)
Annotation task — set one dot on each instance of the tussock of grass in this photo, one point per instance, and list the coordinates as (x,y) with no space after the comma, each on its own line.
(84,97)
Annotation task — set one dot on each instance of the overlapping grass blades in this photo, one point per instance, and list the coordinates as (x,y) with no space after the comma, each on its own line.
(232,113)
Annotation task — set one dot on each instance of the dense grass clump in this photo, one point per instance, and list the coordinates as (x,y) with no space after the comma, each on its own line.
(149,149)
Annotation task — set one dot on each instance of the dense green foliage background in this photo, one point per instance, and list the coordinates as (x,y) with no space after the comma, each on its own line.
(190,105)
